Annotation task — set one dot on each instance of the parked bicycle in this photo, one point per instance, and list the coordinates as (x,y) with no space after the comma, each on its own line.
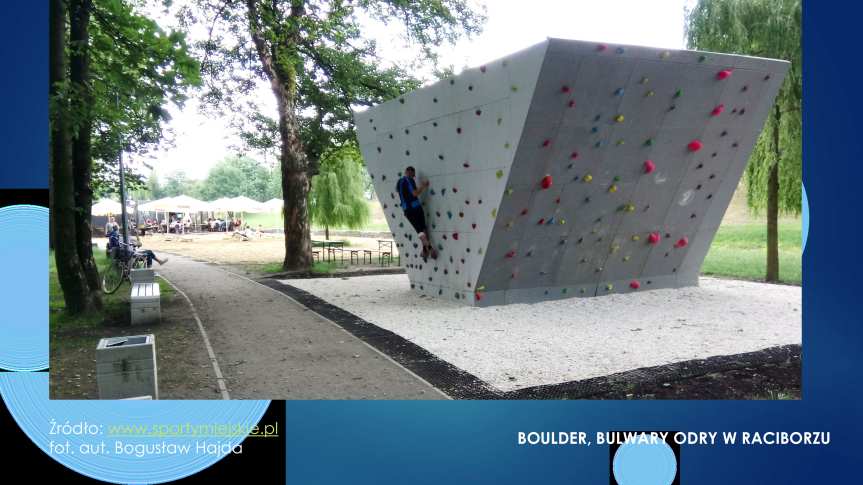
(121,261)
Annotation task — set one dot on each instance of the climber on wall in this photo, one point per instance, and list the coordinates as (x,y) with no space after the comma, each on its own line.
(409,193)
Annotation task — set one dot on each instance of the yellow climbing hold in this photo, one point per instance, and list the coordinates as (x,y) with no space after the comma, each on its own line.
(609,287)
(615,247)
(665,55)
(494,212)
(620,142)
(636,237)
(649,93)
(499,173)
(613,188)
(587,178)
(644,80)
(509,191)
(480,288)
(562,221)
(509,225)
(629,207)
(619,118)
(626,258)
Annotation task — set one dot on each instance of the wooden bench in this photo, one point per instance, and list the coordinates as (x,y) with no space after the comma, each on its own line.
(145,298)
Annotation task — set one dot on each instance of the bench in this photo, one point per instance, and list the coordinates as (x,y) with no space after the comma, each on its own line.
(145,297)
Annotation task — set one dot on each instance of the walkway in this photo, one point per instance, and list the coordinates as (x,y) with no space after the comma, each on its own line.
(270,347)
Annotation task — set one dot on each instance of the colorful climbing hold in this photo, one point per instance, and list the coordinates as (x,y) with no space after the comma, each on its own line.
(545,182)
(587,178)
(619,118)
(694,145)
(717,110)
(682,242)
(649,93)
(541,222)
(649,166)
(636,237)
(564,89)
(619,92)
(482,69)
(678,93)
(499,174)
(723,74)
(494,213)
(455,236)
(601,47)
(613,188)
(654,238)
(524,212)
(634,284)
(644,80)
(510,253)
(571,103)
(573,155)
(665,55)
(546,142)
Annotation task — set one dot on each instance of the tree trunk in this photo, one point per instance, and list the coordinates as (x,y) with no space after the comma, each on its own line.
(79,62)
(773,204)
(69,272)
(274,55)
(327,233)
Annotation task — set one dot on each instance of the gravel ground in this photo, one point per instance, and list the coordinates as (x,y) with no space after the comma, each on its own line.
(517,346)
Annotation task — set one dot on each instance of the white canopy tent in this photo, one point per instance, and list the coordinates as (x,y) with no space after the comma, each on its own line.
(274,205)
(245,204)
(107,207)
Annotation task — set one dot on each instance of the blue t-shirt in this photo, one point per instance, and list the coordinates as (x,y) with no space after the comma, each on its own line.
(405,188)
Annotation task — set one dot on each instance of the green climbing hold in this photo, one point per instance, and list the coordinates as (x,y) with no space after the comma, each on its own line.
(678,93)
(499,173)
(702,58)
(648,142)
(513,88)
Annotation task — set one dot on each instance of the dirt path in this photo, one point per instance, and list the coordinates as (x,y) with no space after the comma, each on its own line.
(270,347)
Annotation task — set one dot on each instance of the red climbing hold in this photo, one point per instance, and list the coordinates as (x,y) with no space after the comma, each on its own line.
(546,142)
(541,222)
(473,226)
(455,236)
(653,238)
(510,254)
(649,166)
(573,155)
(564,89)
(723,74)
(546,182)
(557,200)
(694,145)
(524,212)
(634,284)
(682,242)
(478,296)
(717,110)
(571,103)
(454,189)
(601,47)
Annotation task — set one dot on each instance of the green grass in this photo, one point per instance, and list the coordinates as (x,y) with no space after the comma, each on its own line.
(115,307)
(740,251)
(317,268)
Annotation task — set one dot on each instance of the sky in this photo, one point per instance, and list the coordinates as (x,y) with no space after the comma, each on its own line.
(512,25)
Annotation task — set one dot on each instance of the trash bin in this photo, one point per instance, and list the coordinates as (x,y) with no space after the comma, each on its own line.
(126,367)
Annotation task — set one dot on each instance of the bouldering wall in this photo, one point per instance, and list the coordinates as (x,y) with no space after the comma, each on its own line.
(570,168)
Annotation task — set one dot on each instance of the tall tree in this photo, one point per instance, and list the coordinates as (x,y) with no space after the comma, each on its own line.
(764,28)
(337,197)
(82,157)
(318,65)
(69,272)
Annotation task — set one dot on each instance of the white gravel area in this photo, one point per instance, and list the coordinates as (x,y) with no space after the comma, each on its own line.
(525,345)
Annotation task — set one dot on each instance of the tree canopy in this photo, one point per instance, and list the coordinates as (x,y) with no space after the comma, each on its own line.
(337,198)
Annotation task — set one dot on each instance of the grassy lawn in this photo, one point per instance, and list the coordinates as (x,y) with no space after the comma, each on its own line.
(740,251)
(317,268)
(115,307)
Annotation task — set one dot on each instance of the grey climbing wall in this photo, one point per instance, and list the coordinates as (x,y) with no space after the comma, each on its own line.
(569,168)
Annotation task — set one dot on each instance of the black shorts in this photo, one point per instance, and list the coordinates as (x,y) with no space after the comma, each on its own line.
(417,218)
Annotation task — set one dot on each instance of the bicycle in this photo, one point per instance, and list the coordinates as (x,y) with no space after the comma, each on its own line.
(122,260)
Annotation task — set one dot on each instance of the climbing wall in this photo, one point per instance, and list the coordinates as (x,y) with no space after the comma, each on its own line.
(569,168)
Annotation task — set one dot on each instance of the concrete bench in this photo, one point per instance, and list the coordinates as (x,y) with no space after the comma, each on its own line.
(145,299)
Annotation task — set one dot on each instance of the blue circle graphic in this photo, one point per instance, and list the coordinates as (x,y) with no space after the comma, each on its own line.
(805,204)
(23,257)
(152,435)
(644,463)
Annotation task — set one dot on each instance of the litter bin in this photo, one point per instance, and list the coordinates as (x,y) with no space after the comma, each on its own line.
(126,367)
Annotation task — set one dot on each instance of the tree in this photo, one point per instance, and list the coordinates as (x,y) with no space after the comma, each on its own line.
(764,28)
(318,65)
(237,175)
(109,97)
(337,195)
(69,270)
